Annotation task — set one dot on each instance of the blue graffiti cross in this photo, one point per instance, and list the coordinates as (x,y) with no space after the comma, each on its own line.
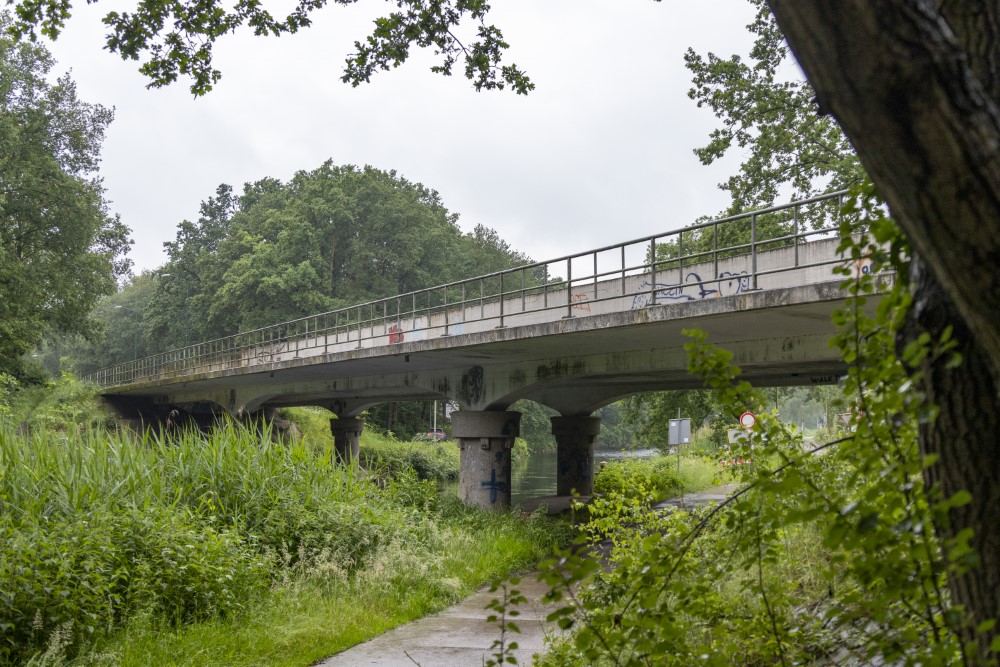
(493,485)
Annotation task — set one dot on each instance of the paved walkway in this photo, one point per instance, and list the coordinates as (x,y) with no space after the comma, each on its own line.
(461,636)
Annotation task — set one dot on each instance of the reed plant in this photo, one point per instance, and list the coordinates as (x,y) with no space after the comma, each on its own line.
(102,531)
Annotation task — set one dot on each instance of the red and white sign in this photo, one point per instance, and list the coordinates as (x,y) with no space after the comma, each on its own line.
(747,419)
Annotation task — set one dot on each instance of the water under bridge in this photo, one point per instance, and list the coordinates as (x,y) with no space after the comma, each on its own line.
(575,333)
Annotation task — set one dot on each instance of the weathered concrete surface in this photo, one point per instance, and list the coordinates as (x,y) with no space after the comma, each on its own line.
(778,337)
(575,453)
(458,637)
(347,437)
(485,440)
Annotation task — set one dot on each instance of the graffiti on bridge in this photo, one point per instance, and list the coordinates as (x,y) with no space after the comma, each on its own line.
(266,355)
(495,486)
(692,289)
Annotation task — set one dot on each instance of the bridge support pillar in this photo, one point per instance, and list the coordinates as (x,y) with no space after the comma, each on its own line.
(485,440)
(575,454)
(347,438)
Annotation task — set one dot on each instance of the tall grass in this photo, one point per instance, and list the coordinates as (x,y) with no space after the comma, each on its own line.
(103,534)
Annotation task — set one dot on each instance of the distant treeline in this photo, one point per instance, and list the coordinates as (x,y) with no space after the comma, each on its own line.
(328,238)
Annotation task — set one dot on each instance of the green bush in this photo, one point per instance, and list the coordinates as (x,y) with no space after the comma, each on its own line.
(637,477)
(437,461)
(78,575)
(64,405)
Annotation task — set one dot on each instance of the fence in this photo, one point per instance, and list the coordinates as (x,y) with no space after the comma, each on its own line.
(775,247)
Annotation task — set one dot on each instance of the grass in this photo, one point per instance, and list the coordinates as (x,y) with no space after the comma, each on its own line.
(698,473)
(320,612)
(226,549)
(658,477)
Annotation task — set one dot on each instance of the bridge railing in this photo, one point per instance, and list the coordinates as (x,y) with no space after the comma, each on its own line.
(779,246)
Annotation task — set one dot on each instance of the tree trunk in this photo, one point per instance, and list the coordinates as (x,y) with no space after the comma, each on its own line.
(964,437)
(914,85)
(906,93)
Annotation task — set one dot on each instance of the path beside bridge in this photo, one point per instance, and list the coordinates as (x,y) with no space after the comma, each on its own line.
(461,636)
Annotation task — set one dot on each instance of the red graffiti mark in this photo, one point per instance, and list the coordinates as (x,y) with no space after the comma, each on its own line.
(395,335)
(579,305)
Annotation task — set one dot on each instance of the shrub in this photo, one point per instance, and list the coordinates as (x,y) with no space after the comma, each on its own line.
(77,575)
(638,477)
(437,461)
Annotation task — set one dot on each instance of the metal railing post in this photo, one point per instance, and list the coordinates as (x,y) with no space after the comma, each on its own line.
(595,276)
(501,301)
(680,257)
(569,288)
(652,272)
(447,323)
(715,248)
(753,247)
(795,230)
(623,269)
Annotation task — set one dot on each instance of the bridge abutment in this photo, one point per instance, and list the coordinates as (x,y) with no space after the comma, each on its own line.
(485,440)
(575,438)
(347,438)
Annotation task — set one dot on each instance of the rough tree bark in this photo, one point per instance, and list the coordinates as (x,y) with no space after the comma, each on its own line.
(915,84)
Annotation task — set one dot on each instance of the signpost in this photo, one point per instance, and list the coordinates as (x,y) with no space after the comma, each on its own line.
(747,420)
(679,433)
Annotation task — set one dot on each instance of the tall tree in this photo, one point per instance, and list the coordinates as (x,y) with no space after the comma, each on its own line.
(768,116)
(907,84)
(915,85)
(60,248)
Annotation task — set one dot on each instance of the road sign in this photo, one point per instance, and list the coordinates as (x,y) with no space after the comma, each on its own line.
(747,419)
(737,436)
(679,432)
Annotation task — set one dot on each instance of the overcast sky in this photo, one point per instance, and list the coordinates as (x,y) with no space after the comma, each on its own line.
(600,152)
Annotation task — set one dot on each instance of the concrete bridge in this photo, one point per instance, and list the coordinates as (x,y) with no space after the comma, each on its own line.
(575,334)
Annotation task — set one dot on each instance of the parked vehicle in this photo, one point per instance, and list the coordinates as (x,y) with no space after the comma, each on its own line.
(436,434)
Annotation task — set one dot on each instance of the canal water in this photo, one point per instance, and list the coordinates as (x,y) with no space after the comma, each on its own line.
(536,476)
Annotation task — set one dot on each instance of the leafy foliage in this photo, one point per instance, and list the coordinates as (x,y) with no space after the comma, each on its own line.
(60,248)
(437,461)
(769,114)
(177,39)
(329,238)
(850,524)
(98,530)
(649,479)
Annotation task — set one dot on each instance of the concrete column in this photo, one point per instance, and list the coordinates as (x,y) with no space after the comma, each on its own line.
(485,440)
(346,438)
(575,453)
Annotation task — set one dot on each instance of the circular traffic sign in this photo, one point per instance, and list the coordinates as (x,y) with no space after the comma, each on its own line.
(747,419)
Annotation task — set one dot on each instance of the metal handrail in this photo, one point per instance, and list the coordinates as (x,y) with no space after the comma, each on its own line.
(376,319)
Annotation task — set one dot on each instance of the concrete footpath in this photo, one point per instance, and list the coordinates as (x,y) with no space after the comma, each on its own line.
(457,637)
(460,636)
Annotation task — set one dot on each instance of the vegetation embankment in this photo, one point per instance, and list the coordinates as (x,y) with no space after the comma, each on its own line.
(224,548)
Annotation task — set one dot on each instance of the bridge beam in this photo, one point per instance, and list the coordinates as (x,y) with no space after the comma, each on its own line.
(485,440)
(575,454)
(347,438)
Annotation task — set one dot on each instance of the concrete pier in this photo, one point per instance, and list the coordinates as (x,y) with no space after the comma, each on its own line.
(485,440)
(575,453)
(347,438)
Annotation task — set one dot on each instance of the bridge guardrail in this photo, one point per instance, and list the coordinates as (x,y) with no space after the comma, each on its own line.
(738,253)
